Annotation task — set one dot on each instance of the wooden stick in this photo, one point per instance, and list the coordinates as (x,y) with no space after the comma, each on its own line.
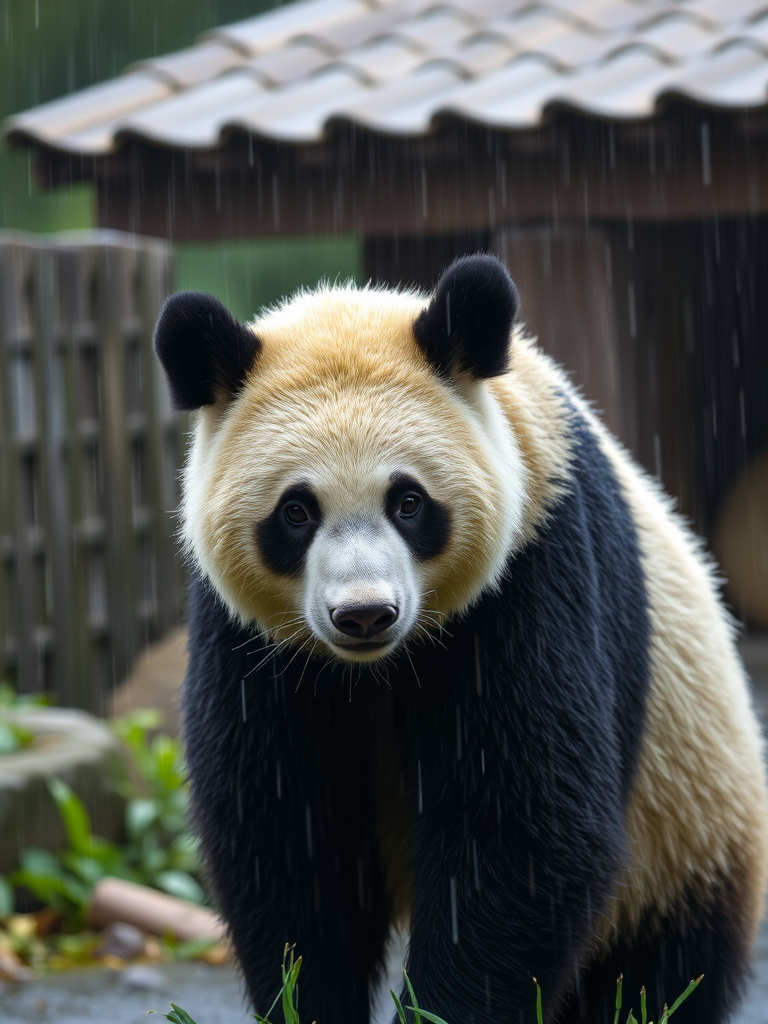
(116,900)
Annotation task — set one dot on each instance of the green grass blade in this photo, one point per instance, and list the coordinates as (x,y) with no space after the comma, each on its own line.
(290,995)
(539,1015)
(432,1017)
(278,997)
(643,1007)
(681,998)
(631,1019)
(619,993)
(183,1016)
(415,1007)
(399,1007)
(176,1016)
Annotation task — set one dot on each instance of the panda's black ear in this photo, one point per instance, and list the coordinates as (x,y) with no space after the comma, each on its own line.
(467,324)
(204,350)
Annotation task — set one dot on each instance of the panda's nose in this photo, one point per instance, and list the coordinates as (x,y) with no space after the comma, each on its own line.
(364,620)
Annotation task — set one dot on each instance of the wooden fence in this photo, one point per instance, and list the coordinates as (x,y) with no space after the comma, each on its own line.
(89,459)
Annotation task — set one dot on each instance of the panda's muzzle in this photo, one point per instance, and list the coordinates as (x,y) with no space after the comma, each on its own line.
(363,621)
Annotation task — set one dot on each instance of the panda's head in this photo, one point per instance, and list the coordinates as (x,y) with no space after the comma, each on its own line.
(352,482)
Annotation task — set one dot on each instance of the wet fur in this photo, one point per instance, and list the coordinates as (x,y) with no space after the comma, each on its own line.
(564,782)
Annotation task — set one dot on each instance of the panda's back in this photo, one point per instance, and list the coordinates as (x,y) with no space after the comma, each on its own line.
(696,817)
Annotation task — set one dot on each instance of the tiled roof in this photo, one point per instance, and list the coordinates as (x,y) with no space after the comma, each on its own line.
(397,66)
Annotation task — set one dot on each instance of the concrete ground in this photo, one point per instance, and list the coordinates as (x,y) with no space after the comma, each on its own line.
(211,995)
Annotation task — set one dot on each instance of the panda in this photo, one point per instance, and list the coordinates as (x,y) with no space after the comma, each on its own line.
(454,664)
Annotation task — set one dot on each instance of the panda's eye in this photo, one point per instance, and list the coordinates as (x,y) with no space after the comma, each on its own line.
(409,505)
(295,513)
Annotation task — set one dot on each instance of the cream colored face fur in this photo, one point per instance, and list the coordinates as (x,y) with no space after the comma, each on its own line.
(341,400)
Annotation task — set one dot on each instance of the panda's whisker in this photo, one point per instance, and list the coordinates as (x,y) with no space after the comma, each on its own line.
(436,624)
(254,638)
(295,655)
(410,662)
(275,649)
(263,661)
(296,612)
(306,663)
(248,640)
(429,634)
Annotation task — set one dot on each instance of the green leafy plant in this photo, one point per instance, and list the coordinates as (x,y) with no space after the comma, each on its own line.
(14,737)
(160,844)
(159,852)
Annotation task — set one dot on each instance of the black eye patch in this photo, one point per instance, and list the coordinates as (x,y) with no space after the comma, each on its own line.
(423,523)
(285,535)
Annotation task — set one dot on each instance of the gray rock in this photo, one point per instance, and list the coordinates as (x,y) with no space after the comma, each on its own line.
(143,978)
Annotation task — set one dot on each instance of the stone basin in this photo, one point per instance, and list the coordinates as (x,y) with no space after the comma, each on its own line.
(70,745)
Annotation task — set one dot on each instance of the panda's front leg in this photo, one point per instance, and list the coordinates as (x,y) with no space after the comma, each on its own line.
(500,899)
(320,888)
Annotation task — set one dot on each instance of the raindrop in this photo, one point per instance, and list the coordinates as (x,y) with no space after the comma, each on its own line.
(242,698)
(706,155)
(454,914)
(482,760)
(632,310)
(608,265)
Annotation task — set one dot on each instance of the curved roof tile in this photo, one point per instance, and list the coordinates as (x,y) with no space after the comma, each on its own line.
(398,66)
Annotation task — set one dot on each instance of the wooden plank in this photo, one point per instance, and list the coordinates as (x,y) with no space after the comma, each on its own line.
(695,164)
(566,282)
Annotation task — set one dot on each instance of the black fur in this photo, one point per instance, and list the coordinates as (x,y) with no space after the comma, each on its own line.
(284,545)
(467,324)
(702,937)
(517,742)
(204,350)
(426,533)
